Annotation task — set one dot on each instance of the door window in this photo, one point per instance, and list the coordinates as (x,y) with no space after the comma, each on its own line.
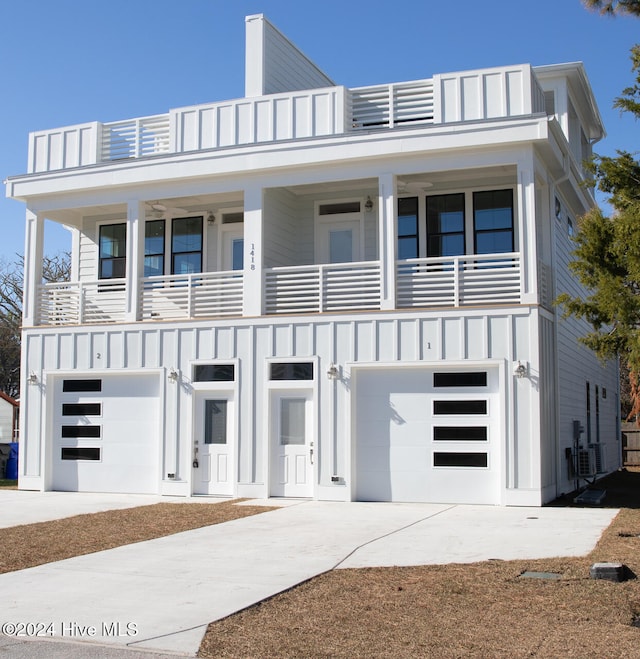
(292,421)
(215,422)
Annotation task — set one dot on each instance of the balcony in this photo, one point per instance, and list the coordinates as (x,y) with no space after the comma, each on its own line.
(447,282)
(458,97)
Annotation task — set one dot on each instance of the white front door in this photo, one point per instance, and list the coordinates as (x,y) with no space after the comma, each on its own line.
(213,444)
(339,241)
(292,445)
(233,249)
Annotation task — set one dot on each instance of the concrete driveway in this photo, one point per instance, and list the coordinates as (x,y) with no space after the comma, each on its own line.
(161,594)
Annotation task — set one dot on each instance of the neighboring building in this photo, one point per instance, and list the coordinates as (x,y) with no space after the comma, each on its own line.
(9,409)
(316,291)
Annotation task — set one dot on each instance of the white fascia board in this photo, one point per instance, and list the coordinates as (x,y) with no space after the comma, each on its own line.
(264,158)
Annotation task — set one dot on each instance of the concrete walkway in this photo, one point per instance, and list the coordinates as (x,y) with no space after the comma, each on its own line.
(161,594)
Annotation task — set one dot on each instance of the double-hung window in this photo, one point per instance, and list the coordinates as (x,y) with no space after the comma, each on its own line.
(186,245)
(408,228)
(493,221)
(112,246)
(445,225)
(154,248)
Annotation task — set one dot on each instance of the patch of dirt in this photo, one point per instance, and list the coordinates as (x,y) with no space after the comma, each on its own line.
(35,544)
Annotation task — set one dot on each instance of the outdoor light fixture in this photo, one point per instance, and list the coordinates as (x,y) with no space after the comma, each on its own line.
(332,371)
(368,205)
(211,218)
(33,378)
(520,370)
(173,375)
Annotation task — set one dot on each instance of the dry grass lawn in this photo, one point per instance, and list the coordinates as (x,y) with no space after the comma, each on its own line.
(34,544)
(479,610)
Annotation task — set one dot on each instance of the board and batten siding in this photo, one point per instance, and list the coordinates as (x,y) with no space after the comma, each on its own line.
(412,339)
(578,365)
(281,221)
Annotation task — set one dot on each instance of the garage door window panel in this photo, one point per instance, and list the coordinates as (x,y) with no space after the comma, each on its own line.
(460,434)
(460,407)
(474,460)
(76,432)
(80,453)
(81,409)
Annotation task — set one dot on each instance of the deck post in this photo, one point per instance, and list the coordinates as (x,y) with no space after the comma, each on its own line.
(387,223)
(33,253)
(135,258)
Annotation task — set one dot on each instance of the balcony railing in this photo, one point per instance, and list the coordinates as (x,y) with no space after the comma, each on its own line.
(207,294)
(455,281)
(467,96)
(452,281)
(76,303)
(321,288)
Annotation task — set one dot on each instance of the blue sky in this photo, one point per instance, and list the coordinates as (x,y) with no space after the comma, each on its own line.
(72,61)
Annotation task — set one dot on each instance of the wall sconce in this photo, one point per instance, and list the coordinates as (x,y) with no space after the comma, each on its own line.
(368,205)
(33,378)
(173,375)
(211,218)
(332,372)
(520,370)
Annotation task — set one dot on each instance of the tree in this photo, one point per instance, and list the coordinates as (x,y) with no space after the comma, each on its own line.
(612,7)
(54,268)
(607,254)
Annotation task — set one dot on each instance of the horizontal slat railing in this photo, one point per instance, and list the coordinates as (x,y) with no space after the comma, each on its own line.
(459,280)
(386,106)
(73,303)
(324,287)
(199,295)
(134,138)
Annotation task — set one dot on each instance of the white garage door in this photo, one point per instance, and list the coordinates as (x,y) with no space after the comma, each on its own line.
(106,434)
(427,435)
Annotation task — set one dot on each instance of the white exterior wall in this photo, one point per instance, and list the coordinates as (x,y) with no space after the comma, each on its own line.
(274,64)
(407,339)
(6,421)
(576,366)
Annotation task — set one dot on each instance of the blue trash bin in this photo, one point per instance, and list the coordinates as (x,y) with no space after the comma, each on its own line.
(11,470)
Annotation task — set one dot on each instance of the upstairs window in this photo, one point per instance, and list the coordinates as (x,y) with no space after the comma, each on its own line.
(154,248)
(112,246)
(408,228)
(186,245)
(445,225)
(493,221)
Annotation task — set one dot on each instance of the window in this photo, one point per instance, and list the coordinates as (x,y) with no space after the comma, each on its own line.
(73,432)
(112,251)
(445,225)
(460,434)
(214,373)
(79,453)
(154,248)
(74,386)
(186,245)
(340,207)
(292,371)
(472,379)
(493,221)
(81,409)
(459,459)
(408,228)
(455,407)
(215,421)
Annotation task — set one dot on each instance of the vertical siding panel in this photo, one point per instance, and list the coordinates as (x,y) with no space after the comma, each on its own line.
(407,340)
(430,339)
(476,339)
(302,340)
(364,336)
(386,341)
(283,341)
(83,354)
(451,338)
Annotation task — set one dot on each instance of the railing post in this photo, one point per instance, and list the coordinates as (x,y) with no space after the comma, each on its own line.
(456,281)
(81,302)
(321,290)
(253,284)
(190,285)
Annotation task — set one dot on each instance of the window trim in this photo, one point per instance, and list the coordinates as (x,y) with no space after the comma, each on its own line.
(201,251)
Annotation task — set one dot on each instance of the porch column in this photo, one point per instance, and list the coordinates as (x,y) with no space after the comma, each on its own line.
(253,304)
(387,224)
(526,205)
(33,253)
(135,257)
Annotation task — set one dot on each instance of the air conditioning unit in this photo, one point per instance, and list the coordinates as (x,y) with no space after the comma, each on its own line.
(600,457)
(585,461)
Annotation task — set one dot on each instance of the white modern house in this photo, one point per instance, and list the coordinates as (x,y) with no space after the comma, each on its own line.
(318,291)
